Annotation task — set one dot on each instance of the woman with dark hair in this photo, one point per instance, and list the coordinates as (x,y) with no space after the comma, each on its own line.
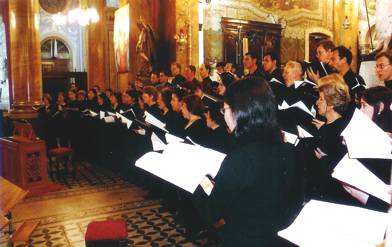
(175,122)
(115,100)
(92,100)
(257,187)
(163,101)
(103,102)
(193,111)
(374,103)
(149,96)
(220,138)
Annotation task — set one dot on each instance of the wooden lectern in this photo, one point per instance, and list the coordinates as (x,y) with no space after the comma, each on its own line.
(10,196)
(24,161)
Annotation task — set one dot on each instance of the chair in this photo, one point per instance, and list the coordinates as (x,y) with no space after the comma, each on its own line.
(60,157)
(108,233)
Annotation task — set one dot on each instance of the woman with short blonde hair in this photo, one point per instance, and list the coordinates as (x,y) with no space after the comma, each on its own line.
(335,92)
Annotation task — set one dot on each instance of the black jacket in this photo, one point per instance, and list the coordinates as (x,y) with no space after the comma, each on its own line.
(257,190)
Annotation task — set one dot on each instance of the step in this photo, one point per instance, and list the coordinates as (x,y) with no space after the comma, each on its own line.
(23,233)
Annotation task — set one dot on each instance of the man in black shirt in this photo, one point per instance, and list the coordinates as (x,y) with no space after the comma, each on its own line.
(341,60)
(384,68)
(272,73)
(322,67)
(207,84)
(250,64)
(175,69)
(297,89)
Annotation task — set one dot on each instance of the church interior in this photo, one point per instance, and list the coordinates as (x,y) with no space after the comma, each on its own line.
(153,123)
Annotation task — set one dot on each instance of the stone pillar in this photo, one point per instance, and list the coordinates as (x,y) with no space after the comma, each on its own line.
(96,46)
(24,57)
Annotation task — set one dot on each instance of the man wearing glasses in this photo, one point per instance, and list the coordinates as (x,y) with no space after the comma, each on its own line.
(384,68)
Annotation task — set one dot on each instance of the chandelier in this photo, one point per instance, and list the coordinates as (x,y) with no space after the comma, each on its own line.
(81,16)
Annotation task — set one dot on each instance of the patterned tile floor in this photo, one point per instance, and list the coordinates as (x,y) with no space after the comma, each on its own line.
(148,223)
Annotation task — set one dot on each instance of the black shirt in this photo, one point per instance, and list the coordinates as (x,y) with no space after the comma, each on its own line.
(257,190)
(198,132)
(154,110)
(257,73)
(355,83)
(322,69)
(276,83)
(388,84)
(175,123)
(220,139)
(178,80)
(304,92)
(208,85)
(330,139)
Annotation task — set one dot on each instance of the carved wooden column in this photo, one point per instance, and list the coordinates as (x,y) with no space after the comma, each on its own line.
(96,46)
(24,57)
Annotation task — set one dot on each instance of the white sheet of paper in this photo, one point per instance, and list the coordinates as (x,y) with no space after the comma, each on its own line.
(157,143)
(93,114)
(109,119)
(326,224)
(303,107)
(290,138)
(154,121)
(303,133)
(364,139)
(172,138)
(111,114)
(124,120)
(101,114)
(182,164)
(352,172)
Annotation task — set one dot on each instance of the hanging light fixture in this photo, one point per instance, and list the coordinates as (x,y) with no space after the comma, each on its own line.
(81,16)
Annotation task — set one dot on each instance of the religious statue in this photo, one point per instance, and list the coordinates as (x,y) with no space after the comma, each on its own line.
(145,49)
(384,24)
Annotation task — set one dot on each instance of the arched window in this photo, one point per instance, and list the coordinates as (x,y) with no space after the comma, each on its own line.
(54,48)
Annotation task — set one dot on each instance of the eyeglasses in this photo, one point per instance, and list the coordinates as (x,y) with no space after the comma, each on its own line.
(382,66)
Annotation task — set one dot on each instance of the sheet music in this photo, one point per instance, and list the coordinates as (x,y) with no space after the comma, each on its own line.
(326,224)
(303,133)
(182,164)
(157,143)
(154,121)
(352,172)
(109,119)
(101,114)
(93,114)
(290,138)
(172,138)
(124,120)
(303,107)
(372,143)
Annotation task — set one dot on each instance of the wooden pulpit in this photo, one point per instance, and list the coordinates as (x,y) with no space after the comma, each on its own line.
(24,161)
